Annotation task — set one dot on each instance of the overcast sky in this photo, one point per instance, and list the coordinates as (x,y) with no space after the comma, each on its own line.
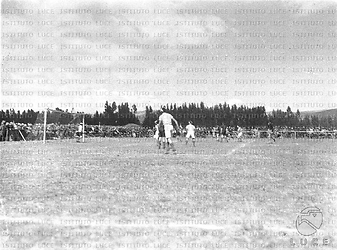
(275,54)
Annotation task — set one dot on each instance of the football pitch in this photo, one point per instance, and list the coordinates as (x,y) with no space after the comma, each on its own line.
(124,193)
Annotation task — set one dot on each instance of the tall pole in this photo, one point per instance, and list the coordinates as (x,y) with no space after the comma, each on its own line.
(83,129)
(45,125)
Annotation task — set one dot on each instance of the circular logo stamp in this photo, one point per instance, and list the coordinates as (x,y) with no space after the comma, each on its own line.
(309,221)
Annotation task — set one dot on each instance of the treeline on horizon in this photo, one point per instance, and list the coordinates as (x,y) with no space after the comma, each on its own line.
(198,113)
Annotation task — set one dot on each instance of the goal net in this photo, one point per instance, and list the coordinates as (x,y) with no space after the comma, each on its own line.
(50,118)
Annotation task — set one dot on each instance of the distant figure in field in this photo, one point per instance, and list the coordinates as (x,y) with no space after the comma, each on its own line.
(223,132)
(240,133)
(79,132)
(3,131)
(270,131)
(179,132)
(217,133)
(190,128)
(159,134)
(156,133)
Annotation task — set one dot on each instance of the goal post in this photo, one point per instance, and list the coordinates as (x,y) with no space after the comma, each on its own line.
(83,124)
(56,118)
(45,125)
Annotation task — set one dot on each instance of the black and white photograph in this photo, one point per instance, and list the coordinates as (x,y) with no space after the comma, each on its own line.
(175,125)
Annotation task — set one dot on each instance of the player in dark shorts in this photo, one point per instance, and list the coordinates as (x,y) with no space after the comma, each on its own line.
(223,133)
(3,131)
(159,134)
(179,131)
(271,134)
(162,139)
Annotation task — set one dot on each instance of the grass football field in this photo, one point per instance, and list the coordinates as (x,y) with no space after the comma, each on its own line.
(111,193)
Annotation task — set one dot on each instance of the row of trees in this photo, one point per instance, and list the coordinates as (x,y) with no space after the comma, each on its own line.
(202,115)
(199,113)
(10,115)
(114,114)
(117,115)
(290,119)
(244,116)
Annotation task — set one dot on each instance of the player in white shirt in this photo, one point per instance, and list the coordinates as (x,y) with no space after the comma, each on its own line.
(79,132)
(167,119)
(240,133)
(190,128)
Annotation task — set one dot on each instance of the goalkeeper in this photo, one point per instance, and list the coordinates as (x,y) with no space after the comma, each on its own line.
(79,132)
(271,132)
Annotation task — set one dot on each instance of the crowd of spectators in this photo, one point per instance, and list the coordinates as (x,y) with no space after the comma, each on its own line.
(10,131)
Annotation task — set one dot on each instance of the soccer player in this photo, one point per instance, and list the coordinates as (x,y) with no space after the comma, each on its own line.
(240,133)
(3,131)
(156,127)
(270,131)
(167,119)
(79,132)
(213,132)
(223,132)
(159,134)
(190,128)
(217,132)
(162,139)
(179,132)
